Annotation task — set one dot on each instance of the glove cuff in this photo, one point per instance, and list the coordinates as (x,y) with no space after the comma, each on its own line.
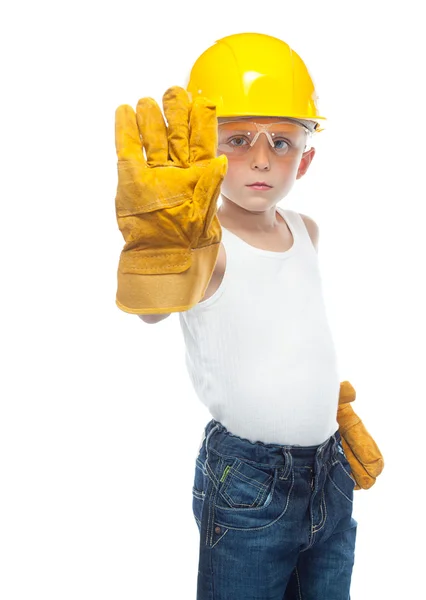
(142,291)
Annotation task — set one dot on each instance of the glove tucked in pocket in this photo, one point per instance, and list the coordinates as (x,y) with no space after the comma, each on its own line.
(360,449)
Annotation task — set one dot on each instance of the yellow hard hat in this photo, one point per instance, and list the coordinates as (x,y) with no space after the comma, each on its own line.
(253,74)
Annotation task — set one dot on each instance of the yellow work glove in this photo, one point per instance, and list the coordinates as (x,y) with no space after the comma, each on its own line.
(361,450)
(166,204)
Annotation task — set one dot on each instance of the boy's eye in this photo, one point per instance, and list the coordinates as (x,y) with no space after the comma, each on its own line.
(280,147)
(238,140)
(240,144)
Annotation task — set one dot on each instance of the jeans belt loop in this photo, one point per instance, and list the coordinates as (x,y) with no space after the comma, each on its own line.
(287,465)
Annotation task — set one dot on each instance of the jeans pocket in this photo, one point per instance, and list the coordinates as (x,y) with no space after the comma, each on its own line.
(240,484)
(246,486)
(244,494)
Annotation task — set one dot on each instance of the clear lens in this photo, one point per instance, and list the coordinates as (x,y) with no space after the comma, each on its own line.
(237,137)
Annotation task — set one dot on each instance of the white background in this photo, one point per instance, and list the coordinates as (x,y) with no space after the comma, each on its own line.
(100,426)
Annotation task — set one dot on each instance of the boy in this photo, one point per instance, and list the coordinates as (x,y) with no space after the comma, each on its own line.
(273,491)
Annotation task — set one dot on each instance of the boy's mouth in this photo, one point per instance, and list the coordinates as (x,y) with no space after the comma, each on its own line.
(260,185)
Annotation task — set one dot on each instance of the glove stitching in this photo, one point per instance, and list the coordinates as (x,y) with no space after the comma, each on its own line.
(148,206)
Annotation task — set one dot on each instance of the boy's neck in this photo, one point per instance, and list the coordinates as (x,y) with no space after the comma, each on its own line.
(236,217)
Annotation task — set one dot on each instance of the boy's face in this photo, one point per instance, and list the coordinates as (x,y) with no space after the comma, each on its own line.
(279,167)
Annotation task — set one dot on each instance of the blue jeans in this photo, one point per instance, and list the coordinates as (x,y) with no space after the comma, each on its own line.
(275,521)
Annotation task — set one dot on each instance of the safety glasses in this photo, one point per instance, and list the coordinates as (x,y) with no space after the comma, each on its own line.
(236,137)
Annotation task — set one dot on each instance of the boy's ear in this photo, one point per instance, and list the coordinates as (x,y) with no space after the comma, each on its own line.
(306,160)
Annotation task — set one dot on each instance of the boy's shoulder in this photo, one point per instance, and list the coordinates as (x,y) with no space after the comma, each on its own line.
(312,228)
(220,267)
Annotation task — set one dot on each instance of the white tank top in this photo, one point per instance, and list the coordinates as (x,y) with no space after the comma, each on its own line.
(260,352)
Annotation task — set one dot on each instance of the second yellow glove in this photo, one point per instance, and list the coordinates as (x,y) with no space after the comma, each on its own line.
(361,450)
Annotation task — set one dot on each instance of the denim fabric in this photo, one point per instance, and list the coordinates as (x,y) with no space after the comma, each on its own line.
(275,521)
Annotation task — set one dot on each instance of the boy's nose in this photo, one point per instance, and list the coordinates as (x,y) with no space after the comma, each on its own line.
(259,152)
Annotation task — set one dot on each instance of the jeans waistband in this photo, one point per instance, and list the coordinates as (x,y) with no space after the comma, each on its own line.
(225,443)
